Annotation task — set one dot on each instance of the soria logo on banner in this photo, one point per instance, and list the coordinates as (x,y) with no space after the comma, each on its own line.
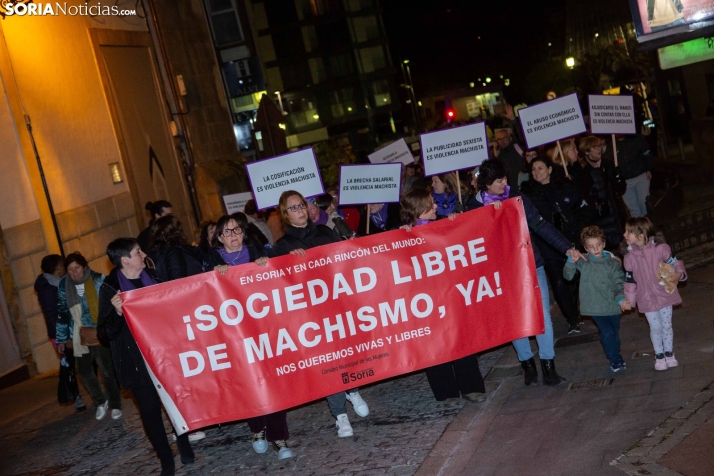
(29,8)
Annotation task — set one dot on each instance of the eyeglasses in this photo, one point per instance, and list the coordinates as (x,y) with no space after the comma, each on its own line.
(232,231)
(295,208)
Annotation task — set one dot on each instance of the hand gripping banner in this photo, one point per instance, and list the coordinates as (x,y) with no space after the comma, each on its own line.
(263,339)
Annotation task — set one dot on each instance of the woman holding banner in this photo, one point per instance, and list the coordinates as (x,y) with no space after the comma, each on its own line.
(493,188)
(461,377)
(130,273)
(233,250)
(560,204)
(301,234)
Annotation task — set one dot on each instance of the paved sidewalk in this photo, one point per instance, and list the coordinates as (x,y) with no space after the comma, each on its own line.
(567,431)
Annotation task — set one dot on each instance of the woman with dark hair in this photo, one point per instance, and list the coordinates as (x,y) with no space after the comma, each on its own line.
(170,251)
(493,188)
(461,377)
(525,173)
(560,204)
(233,249)
(157,209)
(130,273)
(301,234)
(444,189)
(46,287)
(328,205)
(78,310)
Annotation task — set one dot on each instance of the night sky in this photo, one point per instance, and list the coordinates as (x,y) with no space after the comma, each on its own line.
(440,39)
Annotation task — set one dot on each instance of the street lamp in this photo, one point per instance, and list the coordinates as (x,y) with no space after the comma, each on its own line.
(570,62)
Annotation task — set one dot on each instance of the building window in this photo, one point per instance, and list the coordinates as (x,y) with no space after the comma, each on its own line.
(357,5)
(315,8)
(309,38)
(317,70)
(280,12)
(302,111)
(339,65)
(372,59)
(364,29)
(287,44)
(380,93)
(296,75)
(224,22)
(342,102)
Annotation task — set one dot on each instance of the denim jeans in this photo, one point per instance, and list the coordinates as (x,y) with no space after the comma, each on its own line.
(610,336)
(638,189)
(338,402)
(85,365)
(545,340)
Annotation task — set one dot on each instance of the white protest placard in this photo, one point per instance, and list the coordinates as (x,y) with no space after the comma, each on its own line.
(364,184)
(458,148)
(552,120)
(395,152)
(294,171)
(612,114)
(236,202)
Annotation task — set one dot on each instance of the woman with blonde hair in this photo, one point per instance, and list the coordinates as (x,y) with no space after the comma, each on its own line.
(570,152)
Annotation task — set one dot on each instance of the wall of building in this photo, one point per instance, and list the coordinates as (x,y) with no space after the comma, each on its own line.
(695,78)
(48,71)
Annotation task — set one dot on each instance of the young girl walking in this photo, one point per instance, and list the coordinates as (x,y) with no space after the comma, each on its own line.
(644,250)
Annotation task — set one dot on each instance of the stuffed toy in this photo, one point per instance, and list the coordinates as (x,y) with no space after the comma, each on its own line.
(666,272)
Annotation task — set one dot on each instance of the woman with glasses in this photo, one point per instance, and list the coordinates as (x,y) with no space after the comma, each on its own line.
(302,234)
(461,377)
(602,188)
(230,244)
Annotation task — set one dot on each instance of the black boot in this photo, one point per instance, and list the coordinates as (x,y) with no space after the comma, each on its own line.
(550,376)
(185,450)
(529,367)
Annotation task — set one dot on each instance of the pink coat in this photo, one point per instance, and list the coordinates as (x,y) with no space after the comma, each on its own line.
(642,286)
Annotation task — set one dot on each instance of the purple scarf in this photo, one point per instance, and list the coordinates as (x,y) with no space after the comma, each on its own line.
(489,199)
(422,221)
(126,285)
(237,257)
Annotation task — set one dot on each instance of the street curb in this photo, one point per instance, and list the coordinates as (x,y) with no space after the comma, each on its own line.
(641,458)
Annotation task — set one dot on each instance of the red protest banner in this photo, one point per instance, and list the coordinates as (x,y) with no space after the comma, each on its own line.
(262,339)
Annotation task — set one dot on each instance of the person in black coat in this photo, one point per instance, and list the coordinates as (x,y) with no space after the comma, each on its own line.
(492,185)
(130,273)
(559,203)
(158,209)
(170,252)
(46,286)
(601,186)
(302,234)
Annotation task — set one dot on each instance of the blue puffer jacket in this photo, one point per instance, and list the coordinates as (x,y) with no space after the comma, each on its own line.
(65,323)
(536,223)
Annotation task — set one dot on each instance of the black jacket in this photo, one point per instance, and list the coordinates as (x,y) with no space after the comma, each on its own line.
(514,162)
(174,262)
(536,223)
(634,156)
(602,189)
(47,296)
(111,327)
(309,237)
(561,205)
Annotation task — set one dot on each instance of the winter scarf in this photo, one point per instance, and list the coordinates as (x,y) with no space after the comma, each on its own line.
(489,199)
(90,293)
(126,285)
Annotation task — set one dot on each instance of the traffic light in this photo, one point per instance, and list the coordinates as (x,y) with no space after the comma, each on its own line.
(450,114)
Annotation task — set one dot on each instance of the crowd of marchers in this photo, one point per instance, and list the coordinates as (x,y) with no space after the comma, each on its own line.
(595,249)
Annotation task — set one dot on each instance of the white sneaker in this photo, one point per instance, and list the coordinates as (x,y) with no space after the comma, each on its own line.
(116,414)
(344,429)
(359,405)
(259,443)
(102,410)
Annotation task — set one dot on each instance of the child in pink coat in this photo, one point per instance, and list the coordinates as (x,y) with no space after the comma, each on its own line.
(645,250)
